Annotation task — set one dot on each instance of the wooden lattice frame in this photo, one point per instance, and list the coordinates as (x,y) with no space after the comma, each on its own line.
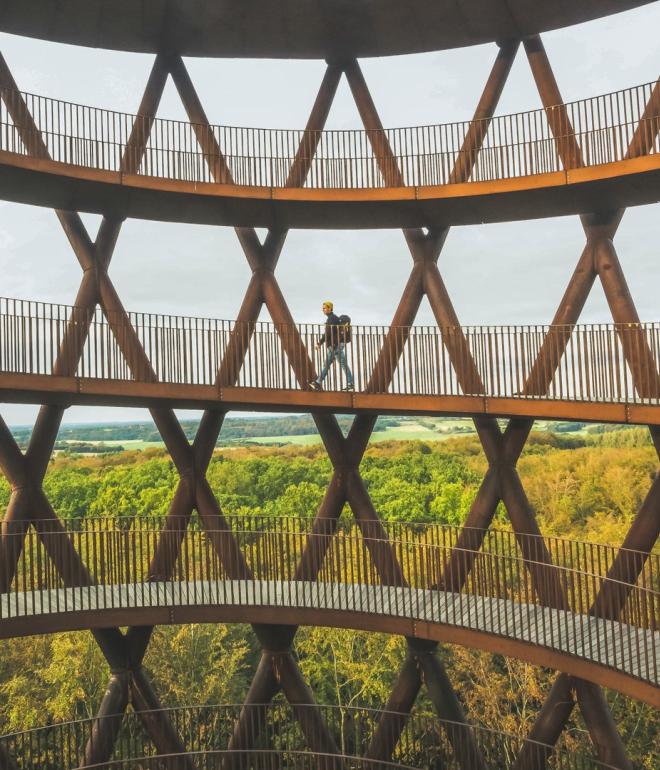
(278,668)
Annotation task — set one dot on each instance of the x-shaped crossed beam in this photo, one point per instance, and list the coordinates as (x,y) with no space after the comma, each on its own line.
(28,502)
(503,450)
(425,279)
(278,668)
(422,664)
(346,454)
(346,484)
(599,258)
(502,481)
(190,461)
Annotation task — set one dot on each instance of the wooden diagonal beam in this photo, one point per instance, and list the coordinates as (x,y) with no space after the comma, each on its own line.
(306,153)
(94,259)
(425,248)
(138,139)
(490,97)
(383,153)
(648,128)
(396,712)
(404,317)
(425,279)
(108,720)
(215,159)
(634,342)
(567,146)
(640,540)
(252,717)
(156,720)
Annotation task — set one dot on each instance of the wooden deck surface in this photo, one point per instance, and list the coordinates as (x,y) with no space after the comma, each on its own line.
(629,650)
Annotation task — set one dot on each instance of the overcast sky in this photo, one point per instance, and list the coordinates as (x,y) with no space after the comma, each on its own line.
(507,273)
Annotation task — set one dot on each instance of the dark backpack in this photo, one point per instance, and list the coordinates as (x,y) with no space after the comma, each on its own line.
(344,328)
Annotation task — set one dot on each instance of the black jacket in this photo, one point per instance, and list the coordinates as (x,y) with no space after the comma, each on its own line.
(332,335)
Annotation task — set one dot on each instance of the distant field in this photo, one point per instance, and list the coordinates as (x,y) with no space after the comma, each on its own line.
(130,443)
(302,440)
(237,432)
(409,431)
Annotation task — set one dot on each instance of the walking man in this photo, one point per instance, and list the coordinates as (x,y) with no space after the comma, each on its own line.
(335,337)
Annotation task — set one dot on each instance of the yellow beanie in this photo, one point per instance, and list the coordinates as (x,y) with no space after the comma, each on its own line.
(329,304)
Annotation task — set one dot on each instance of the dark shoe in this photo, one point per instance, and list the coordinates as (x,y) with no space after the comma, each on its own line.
(348,389)
(314,385)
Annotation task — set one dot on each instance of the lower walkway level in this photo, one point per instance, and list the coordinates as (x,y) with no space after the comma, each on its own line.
(554,603)
(605,651)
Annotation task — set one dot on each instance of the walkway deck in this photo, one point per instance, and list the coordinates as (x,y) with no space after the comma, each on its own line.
(597,154)
(627,651)
(75,391)
(61,186)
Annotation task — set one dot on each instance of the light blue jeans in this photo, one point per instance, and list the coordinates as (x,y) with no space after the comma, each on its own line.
(336,353)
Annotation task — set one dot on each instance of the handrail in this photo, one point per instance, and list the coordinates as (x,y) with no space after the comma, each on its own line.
(511,588)
(516,145)
(208,730)
(248,759)
(603,363)
(563,551)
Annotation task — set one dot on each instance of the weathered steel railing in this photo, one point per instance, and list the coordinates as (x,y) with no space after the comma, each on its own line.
(607,128)
(606,363)
(206,731)
(569,597)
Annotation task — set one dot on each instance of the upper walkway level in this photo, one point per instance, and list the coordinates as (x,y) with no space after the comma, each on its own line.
(318,29)
(595,154)
(68,355)
(551,602)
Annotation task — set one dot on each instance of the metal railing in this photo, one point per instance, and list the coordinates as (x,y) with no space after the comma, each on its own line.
(424,742)
(570,597)
(605,363)
(607,128)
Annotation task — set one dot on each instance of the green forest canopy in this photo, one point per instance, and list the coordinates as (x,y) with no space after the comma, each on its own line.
(584,486)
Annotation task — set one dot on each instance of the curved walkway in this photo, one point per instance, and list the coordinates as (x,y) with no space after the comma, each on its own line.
(596,154)
(601,372)
(55,185)
(294,29)
(206,735)
(577,644)
(568,618)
